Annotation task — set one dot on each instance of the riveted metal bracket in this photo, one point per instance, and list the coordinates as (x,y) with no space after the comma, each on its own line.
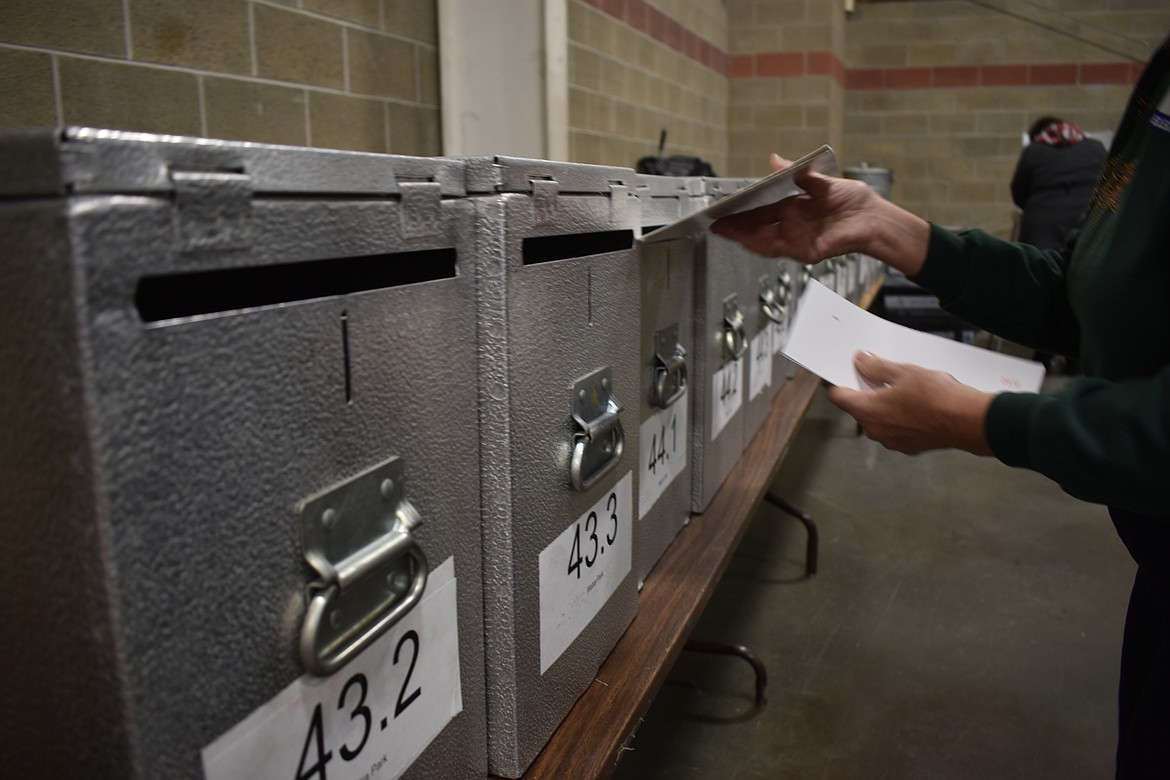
(734,337)
(599,440)
(771,304)
(357,535)
(670,368)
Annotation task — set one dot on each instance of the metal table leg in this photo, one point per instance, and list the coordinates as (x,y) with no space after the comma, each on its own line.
(810,559)
(724,648)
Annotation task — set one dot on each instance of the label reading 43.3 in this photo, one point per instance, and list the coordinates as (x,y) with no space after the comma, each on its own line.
(582,568)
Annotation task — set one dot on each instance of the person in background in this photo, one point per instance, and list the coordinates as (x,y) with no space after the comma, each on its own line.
(1052,184)
(1105,436)
(1053,180)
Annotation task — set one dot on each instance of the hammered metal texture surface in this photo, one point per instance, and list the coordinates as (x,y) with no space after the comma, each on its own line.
(178,450)
(751,271)
(543,326)
(713,457)
(668,298)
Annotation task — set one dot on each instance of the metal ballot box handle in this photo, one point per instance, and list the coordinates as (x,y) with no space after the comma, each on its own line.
(357,535)
(670,368)
(774,298)
(600,440)
(734,337)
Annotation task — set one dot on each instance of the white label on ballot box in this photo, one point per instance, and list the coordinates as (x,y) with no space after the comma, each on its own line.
(663,441)
(726,395)
(583,567)
(370,719)
(760,377)
(779,337)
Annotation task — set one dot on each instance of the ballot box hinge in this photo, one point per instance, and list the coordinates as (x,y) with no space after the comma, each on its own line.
(421,215)
(213,209)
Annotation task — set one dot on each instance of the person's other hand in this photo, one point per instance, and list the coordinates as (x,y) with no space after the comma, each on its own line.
(830,218)
(913,409)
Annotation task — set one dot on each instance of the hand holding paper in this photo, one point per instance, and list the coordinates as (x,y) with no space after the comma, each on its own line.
(913,409)
(910,391)
(828,330)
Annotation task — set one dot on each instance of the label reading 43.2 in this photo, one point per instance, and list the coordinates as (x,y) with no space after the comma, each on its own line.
(582,568)
(371,719)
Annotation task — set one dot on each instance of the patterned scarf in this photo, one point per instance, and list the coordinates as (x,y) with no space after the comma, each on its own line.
(1060,134)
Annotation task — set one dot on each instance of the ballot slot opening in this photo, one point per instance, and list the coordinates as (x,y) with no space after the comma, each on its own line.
(547,249)
(195,293)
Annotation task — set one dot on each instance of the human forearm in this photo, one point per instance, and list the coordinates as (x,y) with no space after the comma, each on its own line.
(897,237)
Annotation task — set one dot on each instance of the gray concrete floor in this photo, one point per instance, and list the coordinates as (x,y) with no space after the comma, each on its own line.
(965,623)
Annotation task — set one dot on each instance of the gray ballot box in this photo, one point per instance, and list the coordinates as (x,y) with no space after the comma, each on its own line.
(667,341)
(727,322)
(559,376)
(237,390)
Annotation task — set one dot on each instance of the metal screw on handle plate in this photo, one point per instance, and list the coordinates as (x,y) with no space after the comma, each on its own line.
(599,440)
(358,536)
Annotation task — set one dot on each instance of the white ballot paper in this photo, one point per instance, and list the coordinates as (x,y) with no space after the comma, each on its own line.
(829,330)
(776,186)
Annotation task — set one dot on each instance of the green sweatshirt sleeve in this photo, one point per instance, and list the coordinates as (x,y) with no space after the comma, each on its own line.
(1015,291)
(1102,441)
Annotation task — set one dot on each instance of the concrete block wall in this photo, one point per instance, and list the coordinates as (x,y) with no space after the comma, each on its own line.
(349,74)
(637,67)
(787,80)
(938,91)
(941,91)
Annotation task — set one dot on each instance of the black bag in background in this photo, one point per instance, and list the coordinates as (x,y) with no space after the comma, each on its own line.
(677,165)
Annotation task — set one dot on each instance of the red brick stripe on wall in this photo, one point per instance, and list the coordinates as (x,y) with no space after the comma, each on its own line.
(648,20)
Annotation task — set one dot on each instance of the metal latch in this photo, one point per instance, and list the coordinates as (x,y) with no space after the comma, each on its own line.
(670,368)
(620,197)
(734,338)
(545,196)
(357,536)
(421,212)
(214,209)
(597,446)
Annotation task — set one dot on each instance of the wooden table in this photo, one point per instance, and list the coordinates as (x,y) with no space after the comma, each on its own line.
(590,740)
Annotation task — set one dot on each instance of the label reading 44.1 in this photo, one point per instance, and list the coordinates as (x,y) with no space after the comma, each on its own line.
(663,442)
(582,568)
(371,719)
(726,395)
